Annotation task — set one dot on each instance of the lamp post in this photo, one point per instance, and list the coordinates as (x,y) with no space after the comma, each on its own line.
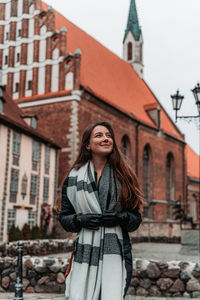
(177,100)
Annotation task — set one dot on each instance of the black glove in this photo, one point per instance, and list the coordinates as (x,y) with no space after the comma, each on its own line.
(89,221)
(111,218)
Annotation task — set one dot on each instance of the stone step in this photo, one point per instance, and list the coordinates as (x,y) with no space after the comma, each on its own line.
(8,296)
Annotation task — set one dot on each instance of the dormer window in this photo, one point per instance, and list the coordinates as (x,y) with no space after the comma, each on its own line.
(34,122)
(1,106)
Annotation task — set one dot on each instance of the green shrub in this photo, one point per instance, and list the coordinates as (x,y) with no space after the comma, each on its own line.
(26,231)
(15,234)
(36,233)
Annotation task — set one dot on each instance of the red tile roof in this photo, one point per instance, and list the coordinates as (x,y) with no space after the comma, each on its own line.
(193,161)
(110,77)
(13,116)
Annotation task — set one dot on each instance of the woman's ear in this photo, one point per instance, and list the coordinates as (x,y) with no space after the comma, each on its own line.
(88,147)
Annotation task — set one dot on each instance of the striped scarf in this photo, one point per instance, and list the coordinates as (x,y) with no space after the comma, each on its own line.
(98,270)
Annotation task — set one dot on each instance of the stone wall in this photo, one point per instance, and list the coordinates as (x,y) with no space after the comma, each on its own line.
(152,278)
(37,247)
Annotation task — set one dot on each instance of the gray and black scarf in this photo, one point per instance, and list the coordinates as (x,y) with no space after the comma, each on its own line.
(98,270)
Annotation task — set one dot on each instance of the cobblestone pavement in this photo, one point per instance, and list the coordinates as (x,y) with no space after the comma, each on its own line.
(8,296)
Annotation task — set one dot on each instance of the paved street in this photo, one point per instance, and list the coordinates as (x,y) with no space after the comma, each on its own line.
(157,251)
(61,297)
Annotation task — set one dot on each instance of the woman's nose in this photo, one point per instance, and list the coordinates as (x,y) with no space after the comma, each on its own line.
(105,138)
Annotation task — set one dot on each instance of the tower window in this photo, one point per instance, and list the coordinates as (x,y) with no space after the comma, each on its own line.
(16,87)
(130,51)
(6,59)
(30,85)
(18,57)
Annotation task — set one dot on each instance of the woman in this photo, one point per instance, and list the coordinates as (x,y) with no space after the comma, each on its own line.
(100,201)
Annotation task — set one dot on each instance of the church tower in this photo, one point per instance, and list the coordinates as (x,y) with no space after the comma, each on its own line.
(133,41)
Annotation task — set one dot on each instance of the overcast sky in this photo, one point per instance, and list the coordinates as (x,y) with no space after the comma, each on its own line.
(171,33)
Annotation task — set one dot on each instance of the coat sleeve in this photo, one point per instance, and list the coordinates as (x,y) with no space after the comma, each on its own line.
(67,214)
(135,220)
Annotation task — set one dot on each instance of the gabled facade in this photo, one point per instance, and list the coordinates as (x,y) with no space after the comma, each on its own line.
(75,80)
(28,167)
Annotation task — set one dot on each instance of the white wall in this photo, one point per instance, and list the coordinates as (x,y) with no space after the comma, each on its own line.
(25,167)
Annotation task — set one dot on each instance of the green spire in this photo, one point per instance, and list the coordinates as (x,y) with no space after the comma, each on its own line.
(133,23)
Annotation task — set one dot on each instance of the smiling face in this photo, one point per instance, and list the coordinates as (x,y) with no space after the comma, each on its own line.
(101,142)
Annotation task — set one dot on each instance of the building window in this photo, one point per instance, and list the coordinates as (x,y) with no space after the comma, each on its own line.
(11,219)
(126,146)
(33,191)
(16,148)
(47,159)
(170,184)
(16,87)
(19,32)
(193,208)
(6,59)
(18,57)
(46,190)
(34,122)
(147,181)
(31,219)
(14,185)
(1,106)
(130,50)
(7,35)
(35,155)
(30,85)
(24,186)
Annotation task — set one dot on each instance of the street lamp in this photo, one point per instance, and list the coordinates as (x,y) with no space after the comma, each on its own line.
(196,93)
(177,100)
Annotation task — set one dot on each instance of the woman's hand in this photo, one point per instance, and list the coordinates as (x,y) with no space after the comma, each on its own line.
(111,218)
(89,221)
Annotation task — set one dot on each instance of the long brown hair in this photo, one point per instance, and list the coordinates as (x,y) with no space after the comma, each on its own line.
(131,195)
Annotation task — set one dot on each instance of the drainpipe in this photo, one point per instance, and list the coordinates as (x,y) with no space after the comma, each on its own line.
(137,147)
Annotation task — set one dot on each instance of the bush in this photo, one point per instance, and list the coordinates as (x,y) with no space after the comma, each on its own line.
(26,232)
(36,233)
(15,234)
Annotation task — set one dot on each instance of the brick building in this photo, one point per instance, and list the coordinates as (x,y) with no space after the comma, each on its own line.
(193,184)
(59,73)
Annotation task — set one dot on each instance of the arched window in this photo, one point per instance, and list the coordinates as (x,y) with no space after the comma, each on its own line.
(130,51)
(147,180)
(170,190)
(125,146)
(69,81)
